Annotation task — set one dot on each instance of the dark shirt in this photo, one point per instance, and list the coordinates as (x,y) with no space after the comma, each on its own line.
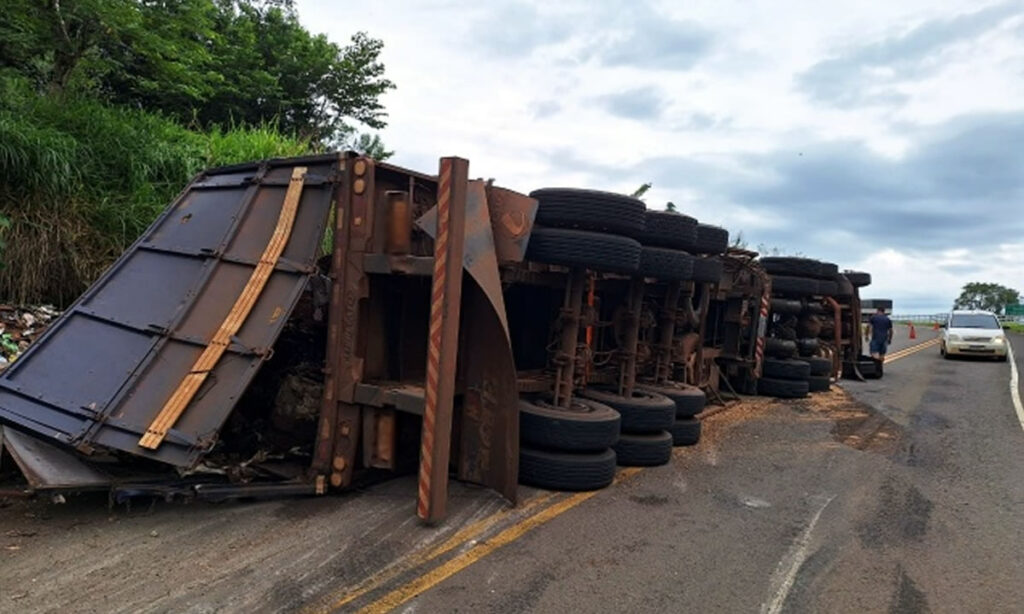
(880,326)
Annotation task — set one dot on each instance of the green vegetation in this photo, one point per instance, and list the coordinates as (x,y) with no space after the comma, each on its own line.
(987,297)
(109,107)
(1015,327)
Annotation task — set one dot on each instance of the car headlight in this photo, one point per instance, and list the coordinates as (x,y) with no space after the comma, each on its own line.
(954,337)
(999,340)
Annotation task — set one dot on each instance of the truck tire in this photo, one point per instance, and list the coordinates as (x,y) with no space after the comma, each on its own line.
(689,400)
(782,388)
(786,332)
(586,426)
(794,286)
(827,270)
(685,432)
(582,248)
(819,383)
(844,289)
(566,470)
(786,369)
(814,307)
(645,412)
(810,326)
(828,288)
(670,229)
(786,306)
(858,279)
(819,365)
(779,348)
(795,267)
(807,346)
(707,270)
(590,210)
(646,450)
(711,239)
(666,264)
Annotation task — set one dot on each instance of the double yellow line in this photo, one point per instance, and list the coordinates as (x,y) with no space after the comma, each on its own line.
(912,350)
(474,544)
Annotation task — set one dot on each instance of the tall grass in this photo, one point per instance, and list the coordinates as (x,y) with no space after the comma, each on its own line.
(80,180)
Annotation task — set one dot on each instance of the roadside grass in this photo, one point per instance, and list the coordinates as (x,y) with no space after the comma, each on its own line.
(80,180)
(1015,327)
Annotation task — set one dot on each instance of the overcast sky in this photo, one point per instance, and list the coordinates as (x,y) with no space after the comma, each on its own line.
(885,136)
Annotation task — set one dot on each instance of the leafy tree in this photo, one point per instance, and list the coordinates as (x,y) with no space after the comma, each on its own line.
(986,297)
(670,206)
(639,192)
(205,62)
(370,145)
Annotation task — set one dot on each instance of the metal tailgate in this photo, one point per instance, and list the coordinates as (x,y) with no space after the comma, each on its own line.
(100,375)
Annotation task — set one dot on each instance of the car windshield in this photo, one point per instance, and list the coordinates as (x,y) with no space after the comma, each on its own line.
(969,320)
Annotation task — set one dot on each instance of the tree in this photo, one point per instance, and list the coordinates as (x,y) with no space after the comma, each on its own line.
(639,192)
(370,145)
(986,297)
(211,62)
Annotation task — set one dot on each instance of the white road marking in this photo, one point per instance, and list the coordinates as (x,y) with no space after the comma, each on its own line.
(1015,384)
(789,565)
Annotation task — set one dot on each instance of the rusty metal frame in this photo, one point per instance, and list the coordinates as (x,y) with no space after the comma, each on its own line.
(565,360)
(443,341)
(339,425)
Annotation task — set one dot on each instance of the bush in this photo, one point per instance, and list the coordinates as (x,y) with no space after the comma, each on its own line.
(80,180)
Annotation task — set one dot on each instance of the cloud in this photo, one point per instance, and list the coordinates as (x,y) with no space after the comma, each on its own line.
(960,186)
(543,109)
(517,29)
(653,40)
(870,74)
(642,103)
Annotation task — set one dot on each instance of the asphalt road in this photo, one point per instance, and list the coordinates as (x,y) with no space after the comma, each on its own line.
(911,502)
(899,495)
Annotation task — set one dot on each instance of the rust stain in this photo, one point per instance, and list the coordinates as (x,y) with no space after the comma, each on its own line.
(277,314)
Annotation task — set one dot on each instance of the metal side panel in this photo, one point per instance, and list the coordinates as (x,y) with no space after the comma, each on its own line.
(102,372)
(48,467)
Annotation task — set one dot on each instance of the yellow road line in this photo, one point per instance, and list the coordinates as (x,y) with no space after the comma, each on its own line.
(441,573)
(911,350)
(462,536)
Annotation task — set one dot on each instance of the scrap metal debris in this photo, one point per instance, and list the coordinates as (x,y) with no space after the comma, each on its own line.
(20,326)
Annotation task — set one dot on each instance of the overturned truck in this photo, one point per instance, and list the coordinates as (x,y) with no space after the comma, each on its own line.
(292,326)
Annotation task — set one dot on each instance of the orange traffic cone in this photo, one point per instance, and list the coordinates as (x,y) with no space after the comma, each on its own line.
(913,333)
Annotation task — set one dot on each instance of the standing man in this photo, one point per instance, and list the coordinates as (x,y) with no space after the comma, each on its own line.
(880,334)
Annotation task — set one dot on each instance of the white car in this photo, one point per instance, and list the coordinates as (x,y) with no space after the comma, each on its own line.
(973,333)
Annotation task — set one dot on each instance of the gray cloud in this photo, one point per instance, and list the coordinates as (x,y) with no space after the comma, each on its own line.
(867,74)
(655,41)
(545,108)
(642,103)
(517,29)
(960,186)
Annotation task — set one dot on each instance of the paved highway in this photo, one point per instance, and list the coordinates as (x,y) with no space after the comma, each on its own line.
(906,498)
(899,495)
